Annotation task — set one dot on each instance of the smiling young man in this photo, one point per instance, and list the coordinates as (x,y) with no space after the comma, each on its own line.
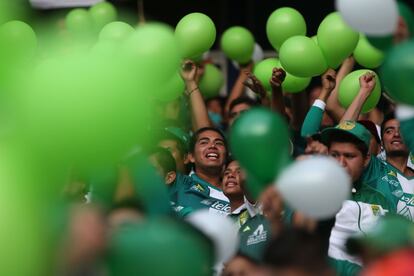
(397,179)
(203,189)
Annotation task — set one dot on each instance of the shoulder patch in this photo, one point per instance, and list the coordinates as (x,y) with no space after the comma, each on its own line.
(392,173)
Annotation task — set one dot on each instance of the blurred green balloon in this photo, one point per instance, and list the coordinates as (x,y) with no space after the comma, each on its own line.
(18,43)
(150,248)
(315,39)
(336,39)
(152,53)
(211,82)
(259,139)
(382,43)
(79,22)
(397,72)
(195,34)
(349,88)
(282,24)
(172,90)
(238,44)
(102,13)
(367,55)
(115,31)
(263,71)
(302,57)
(80,110)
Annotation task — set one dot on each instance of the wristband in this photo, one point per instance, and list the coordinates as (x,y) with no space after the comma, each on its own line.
(188,93)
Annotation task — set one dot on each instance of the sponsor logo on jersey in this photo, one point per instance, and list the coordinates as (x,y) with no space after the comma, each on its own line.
(259,235)
(390,181)
(408,199)
(220,206)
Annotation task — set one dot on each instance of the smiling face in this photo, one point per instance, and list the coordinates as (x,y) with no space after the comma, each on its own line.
(209,151)
(233,180)
(392,140)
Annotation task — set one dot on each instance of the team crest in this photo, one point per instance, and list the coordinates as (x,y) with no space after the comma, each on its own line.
(347,125)
(376,210)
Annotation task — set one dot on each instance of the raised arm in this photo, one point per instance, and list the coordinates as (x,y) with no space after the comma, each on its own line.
(367,84)
(238,87)
(312,122)
(255,85)
(199,114)
(277,103)
(334,109)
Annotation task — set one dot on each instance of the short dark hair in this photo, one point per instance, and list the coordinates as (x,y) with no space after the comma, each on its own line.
(387,117)
(196,134)
(165,135)
(163,158)
(243,100)
(341,137)
(297,248)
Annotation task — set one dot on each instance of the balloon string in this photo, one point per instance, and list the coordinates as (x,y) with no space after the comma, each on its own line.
(141,13)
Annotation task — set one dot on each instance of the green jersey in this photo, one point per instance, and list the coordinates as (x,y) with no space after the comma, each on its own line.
(254,236)
(190,193)
(357,216)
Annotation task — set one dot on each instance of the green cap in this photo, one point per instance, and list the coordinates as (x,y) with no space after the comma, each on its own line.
(348,127)
(180,134)
(392,232)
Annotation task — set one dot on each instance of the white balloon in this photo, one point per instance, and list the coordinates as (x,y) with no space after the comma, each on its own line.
(220,229)
(372,17)
(316,186)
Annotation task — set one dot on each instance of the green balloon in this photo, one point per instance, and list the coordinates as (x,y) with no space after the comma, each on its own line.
(19,42)
(300,56)
(152,52)
(79,22)
(172,90)
(195,34)
(211,82)
(367,55)
(238,44)
(138,248)
(336,39)
(82,110)
(263,71)
(382,43)
(259,139)
(349,88)
(103,13)
(115,31)
(315,39)
(291,84)
(397,72)
(282,24)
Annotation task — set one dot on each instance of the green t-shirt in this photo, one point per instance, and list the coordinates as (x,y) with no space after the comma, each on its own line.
(190,193)
(254,236)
